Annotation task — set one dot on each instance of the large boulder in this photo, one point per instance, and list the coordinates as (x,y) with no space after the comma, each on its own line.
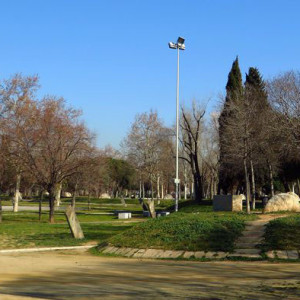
(283,202)
(66,194)
(104,196)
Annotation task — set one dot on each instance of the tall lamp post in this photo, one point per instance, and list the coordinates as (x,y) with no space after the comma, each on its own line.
(179,46)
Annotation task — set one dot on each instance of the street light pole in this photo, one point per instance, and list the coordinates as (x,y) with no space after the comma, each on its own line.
(179,46)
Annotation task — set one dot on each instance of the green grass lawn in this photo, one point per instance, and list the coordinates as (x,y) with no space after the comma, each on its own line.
(194,228)
(283,234)
(23,230)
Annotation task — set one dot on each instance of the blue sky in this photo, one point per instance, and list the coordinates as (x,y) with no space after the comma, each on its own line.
(111,58)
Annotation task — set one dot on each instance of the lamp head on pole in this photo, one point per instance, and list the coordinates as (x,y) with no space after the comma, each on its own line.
(179,45)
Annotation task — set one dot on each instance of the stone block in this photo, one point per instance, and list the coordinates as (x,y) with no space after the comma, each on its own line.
(210,255)
(188,254)
(150,253)
(159,253)
(281,254)
(270,254)
(176,254)
(162,214)
(108,249)
(124,215)
(221,254)
(292,254)
(167,254)
(139,253)
(74,223)
(199,254)
(228,203)
(131,252)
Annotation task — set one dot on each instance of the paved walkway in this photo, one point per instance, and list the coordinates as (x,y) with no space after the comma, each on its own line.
(82,276)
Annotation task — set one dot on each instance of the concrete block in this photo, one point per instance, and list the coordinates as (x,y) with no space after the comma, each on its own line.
(292,254)
(188,254)
(139,253)
(210,255)
(270,254)
(150,253)
(124,215)
(281,254)
(221,254)
(108,249)
(228,203)
(131,252)
(163,214)
(176,254)
(74,223)
(199,254)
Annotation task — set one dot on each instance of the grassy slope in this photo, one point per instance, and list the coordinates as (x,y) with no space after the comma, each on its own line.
(193,228)
(283,234)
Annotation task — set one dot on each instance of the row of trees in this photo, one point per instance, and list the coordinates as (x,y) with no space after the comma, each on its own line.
(45,147)
(250,147)
(259,133)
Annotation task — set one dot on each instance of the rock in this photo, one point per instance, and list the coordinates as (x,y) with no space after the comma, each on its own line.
(104,196)
(168,197)
(67,194)
(283,202)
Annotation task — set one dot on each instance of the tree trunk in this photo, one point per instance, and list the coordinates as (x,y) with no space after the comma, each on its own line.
(198,188)
(51,204)
(162,191)
(74,196)
(271,179)
(57,194)
(212,183)
(158,193)
(40,204)
(247,186)
(253,184)
(0,210)
(17,194)
(140,194)
(143,190)
(89,201)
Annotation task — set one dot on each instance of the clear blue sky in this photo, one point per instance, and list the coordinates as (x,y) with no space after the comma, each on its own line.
(111,58)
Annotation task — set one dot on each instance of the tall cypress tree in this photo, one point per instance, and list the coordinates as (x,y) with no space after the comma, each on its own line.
(234,94)
(255,82)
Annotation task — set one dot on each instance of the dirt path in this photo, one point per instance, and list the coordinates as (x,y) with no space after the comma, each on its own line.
(82,276)
(252,236)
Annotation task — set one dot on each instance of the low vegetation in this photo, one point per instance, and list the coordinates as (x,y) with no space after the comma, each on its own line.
(198,231)
(283,234)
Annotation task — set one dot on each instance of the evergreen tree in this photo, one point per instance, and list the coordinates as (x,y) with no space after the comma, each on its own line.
(234,94)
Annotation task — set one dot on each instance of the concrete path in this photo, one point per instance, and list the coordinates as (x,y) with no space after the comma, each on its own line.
(82,276)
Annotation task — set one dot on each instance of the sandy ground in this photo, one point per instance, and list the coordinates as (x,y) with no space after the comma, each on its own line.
(83,276)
